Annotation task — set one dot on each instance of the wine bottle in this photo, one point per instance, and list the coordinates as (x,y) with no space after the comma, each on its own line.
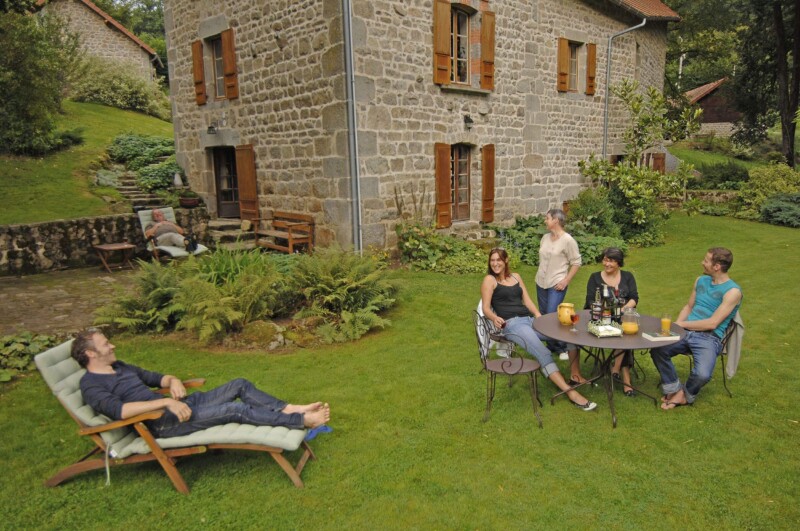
(597,306)
(607,305)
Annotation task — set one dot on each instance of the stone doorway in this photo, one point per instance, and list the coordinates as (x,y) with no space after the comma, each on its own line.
(227,182)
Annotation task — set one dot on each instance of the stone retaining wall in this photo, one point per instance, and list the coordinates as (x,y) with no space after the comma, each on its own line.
(63,244)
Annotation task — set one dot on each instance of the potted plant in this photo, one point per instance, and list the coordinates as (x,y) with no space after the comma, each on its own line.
(188,199)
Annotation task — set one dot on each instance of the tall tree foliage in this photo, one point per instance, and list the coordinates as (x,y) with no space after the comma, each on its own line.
(16,6)
(770,73)
(37,56)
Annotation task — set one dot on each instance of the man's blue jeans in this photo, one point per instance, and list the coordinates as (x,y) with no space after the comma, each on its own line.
(220,406)
(548,300)
(704,347)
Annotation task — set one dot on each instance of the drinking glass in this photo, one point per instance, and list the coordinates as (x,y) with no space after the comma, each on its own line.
(574,318)
(666,323)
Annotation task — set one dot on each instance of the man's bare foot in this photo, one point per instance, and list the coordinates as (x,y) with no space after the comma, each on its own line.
(667,397)
(305,408)
(318,417)
(676,400)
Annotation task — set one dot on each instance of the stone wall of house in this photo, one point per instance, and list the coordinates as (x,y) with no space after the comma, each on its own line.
(99,39)
(292,109)
(290,105)
(717,129)
(62,244)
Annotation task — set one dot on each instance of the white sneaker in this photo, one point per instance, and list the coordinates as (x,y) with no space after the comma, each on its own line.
(564,356)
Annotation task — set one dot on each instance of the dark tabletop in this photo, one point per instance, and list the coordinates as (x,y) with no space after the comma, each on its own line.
(550,326)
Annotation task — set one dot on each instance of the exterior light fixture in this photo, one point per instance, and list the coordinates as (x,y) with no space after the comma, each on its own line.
(468,122)
(212,129)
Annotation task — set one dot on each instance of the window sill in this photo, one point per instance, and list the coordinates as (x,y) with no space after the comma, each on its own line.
(464,89)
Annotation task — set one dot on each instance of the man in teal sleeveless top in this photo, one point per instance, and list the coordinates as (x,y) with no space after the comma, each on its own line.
(714,301)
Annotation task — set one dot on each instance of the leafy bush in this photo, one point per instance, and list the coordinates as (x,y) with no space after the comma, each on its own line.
(223,291)
(346,290)
(158,176)
(424,248)
(765,182)
(782,209)
(17,352)
(113,84)
(593,208)
(725,176)
(128,146)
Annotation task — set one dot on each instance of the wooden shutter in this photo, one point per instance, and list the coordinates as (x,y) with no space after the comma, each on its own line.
(487,51)
(229,65)
(487,193)
(660,162)
(444,192)
(562,83)
(591,67)
(246,177)
(441,42)
(198,72)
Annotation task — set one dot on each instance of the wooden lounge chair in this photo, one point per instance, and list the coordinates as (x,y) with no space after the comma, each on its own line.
(146,217)
(129,441)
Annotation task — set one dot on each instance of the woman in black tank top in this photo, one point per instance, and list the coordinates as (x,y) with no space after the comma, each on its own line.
(506,303)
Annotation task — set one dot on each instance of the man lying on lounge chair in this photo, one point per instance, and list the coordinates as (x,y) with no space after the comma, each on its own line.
(120,391)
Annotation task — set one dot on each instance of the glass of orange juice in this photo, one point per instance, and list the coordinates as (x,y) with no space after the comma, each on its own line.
(666,323)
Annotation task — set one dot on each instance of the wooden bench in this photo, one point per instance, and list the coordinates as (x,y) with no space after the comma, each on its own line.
(290,227)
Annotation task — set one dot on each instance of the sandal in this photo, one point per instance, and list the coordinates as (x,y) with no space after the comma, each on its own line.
(629,393)
(588,406)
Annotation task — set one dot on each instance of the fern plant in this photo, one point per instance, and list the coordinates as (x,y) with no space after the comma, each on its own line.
(208,309)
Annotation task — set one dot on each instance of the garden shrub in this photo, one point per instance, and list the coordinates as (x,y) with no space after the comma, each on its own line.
(158,176)
(424,248)
(593,208)
(129,146)
(346,290)
(17,352)
(725,175)
(782,209)
(221,292)
(113,84)
(765,182)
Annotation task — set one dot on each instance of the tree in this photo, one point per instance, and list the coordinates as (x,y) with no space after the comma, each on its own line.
(16,6)
(38,55)
(769,79)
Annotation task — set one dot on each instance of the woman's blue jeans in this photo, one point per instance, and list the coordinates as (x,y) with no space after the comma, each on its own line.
(703,347)
(548,300)
(220,406)
(520,331)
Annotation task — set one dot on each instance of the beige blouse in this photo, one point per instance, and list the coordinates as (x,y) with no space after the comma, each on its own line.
(555,259)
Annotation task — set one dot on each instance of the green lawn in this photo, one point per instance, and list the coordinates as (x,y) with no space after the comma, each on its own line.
(409,449)
(57,186)
(698,157)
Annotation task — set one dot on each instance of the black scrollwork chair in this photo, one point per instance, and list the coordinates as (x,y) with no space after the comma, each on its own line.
(510,366)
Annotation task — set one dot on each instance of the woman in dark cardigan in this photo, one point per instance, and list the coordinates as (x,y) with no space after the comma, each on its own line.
(614,277)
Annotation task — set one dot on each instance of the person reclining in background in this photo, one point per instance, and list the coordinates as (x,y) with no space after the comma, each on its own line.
(119,391)
(714,301)
(165,232)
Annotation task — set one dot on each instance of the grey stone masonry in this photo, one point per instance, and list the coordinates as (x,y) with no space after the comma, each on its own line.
(292,106)
(101,40)
(61,244)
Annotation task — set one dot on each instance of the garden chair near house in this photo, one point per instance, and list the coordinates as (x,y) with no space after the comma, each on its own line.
(129,441)
(146,217)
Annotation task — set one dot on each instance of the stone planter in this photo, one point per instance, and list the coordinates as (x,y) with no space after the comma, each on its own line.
(189,202)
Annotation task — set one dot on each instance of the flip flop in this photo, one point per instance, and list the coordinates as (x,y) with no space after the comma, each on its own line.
(313,432)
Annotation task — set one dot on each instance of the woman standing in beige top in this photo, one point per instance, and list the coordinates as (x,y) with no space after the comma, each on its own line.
(559,261)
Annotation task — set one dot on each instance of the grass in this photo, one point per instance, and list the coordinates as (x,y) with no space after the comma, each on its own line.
(409,450)
(57,186)
(698,157)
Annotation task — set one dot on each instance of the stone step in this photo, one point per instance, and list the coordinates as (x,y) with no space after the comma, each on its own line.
(154,202)
(230,236)
(237,246)
(126,188)
(225,224)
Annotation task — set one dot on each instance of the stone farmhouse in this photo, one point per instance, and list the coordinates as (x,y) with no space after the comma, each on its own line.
(360,112)
(719,113)
(102,36)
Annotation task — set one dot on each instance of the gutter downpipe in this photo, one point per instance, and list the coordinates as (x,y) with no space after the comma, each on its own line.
(352,137)
(608,83)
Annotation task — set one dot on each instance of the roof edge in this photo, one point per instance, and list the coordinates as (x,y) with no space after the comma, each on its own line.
(668,14)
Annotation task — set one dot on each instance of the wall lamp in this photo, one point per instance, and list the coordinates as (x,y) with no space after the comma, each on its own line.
(212,129)
(468,122)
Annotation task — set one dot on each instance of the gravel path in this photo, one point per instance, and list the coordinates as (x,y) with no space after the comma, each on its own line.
(61,302)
